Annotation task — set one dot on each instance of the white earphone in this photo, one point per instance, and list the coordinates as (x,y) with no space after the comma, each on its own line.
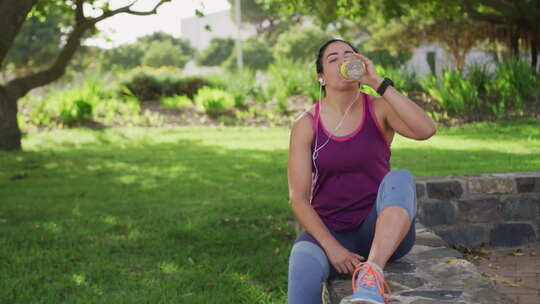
(316,147)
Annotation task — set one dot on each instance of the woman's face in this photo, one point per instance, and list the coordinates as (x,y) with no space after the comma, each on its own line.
(334,54)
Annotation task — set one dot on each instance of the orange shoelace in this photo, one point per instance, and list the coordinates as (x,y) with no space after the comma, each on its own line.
(372,278)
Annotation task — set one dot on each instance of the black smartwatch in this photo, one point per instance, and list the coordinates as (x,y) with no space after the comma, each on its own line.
(382,88)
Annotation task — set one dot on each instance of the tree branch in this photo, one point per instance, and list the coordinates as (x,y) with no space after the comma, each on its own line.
(127,9)
(14,12)
(79,14)
(23,85)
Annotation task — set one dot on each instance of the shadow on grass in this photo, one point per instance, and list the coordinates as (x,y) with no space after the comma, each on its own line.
(174,216)
(128,220)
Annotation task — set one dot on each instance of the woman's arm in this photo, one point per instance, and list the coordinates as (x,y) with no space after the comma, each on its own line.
(401,114)
(299,173)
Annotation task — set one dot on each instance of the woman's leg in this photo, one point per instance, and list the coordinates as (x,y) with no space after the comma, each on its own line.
(308,269)
(396,211)
(388,233)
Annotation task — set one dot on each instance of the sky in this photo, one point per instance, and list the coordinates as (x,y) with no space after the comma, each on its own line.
(124,28)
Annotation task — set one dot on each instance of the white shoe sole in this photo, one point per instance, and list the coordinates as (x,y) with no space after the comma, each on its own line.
(360,301)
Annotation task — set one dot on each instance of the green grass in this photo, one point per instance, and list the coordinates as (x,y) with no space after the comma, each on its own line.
(185,215)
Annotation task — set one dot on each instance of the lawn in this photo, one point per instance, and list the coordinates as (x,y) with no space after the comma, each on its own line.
(183,215)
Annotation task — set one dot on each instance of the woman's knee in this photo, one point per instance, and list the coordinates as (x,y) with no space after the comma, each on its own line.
(308,255)
(400,176)
(398,189)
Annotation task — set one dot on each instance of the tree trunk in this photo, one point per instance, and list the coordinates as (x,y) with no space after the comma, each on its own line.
(10,134)
(534,54)
(514,44)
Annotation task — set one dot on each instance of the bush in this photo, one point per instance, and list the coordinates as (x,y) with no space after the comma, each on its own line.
(88,101)
(287,78)
(151,84)
(480,77)
(217,52)
(455,94)
(214,101)
(256,56)
(300,44)
(176,102)
(514,81)
(243,87)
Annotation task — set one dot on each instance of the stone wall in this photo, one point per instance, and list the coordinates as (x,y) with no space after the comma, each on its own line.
(431,273)
(486,209)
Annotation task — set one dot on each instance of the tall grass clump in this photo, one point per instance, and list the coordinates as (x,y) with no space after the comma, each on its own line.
(455,94)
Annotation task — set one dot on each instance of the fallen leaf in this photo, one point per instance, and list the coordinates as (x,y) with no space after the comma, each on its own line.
(191,261)
(277,251)
(189,294)
(211,284)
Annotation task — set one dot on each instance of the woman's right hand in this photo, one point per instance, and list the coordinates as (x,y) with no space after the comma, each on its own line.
(342,259)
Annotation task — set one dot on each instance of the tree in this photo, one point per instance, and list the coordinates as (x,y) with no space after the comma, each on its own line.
(125,56)
(257,55)
(147,49)
(265,16)
(511,20)
(38,40)
(183,44)
(515,19)
(164,53)
(217,52)
(300,44)
(13,14)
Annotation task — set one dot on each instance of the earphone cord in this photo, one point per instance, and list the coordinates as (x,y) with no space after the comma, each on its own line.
(316,149)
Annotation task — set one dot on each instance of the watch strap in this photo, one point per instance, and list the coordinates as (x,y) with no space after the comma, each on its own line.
(384,85)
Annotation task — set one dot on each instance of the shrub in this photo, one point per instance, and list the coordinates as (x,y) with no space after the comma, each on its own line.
(514,81)
(152,84)
(176,101)
(91,100)
(243,86)
(480,77)
(287,78)
(455,94)
(214,101)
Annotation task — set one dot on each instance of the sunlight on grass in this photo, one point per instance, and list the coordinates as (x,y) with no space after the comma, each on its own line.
(180,215)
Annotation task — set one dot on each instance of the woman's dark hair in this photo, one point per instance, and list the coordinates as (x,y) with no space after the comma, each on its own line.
(319,64)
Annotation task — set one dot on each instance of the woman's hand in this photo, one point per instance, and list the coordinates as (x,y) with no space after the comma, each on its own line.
(370,77)
(343,260)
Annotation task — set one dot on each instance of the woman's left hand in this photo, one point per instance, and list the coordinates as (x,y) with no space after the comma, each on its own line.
(370,77)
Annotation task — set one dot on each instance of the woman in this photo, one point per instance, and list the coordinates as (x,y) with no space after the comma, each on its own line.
(356,212)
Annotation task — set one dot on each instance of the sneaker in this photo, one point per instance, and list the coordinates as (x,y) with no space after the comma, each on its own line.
(368,285)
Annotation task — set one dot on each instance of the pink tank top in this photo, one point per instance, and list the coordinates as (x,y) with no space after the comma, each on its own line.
(350,170)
